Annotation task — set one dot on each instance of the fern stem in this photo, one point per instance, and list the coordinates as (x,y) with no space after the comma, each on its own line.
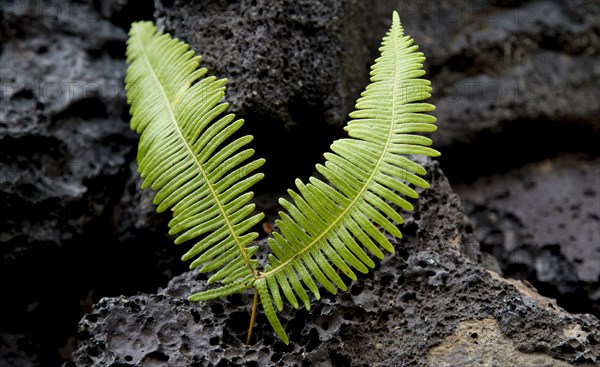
(252,316)
(196,162)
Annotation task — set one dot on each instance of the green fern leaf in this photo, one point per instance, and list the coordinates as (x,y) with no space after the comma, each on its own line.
(187,154)
(332,228)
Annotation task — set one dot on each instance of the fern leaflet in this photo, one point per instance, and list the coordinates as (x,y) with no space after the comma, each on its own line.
(329,227)
(182,155)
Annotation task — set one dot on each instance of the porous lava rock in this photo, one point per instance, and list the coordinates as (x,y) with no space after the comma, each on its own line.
(285,60)
(294,68)
(63,147)
(509,72)
(62,124)
(513,80)
(541,221)
(505,74)
(421,306)
(65,151)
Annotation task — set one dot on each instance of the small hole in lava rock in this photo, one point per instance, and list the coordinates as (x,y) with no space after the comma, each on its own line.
(280,347)
(411,229)
(400,280)
(338,359)
(216,308)
(94,351)
(158,356)
(408,296)
(268,340)
(228,339)
(386,315)
(403,253)
(356,289)
(238,322)
(386,280)
(92,318)
(196,315)
(276,357)
(313,340)
(236,299)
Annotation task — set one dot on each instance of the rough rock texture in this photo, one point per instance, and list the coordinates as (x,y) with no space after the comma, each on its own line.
(295,68)
(420,300)
(520,63)
(542,221)
(503,72)
(17,351)
(514,82)
(243,41)
(481,341)
(517,74)
(63,147)
(506,75)
(62,125)
(65,151)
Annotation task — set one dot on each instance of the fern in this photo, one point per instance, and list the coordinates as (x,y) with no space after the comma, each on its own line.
(180,154)
(187,152)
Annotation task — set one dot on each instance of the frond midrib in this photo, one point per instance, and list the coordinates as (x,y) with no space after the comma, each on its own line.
(359,195)
(190,151)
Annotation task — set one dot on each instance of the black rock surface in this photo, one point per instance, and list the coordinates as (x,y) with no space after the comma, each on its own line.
(414,309)
(514,81)
(63,145)
(517,73)
(63,126)
(295,68)
(541,221)
(65,152)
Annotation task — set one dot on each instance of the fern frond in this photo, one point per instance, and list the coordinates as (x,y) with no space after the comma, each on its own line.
(188,155)
(334,227)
